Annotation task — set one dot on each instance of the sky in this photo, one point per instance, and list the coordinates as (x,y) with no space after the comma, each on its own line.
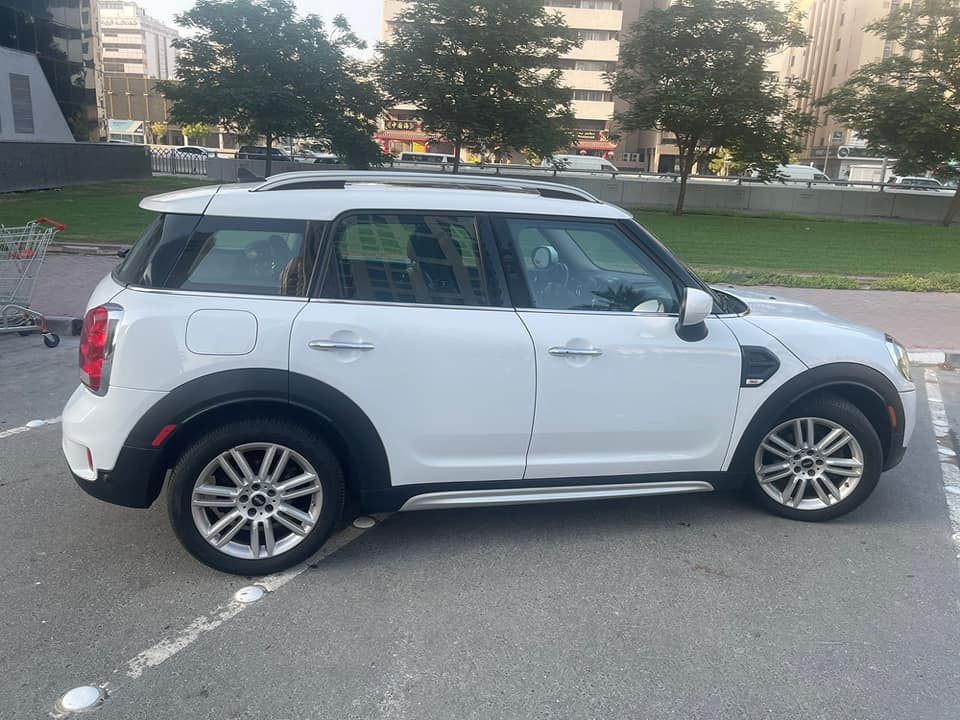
(363,15)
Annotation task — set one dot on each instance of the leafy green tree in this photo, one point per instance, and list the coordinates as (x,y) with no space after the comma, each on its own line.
(908,105)
(697,71)
(484,74)
(256,68)
(159,131)
(197,131)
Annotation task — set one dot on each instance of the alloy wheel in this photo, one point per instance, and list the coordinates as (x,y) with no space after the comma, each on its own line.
(256,500)
(809,463)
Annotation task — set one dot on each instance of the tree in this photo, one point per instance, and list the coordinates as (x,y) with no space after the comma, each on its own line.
(256,68)
(159,131)
(907,106)
(484,74)
(195,130)
(697,71)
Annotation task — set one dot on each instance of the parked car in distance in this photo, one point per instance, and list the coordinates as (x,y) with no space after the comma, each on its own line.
(259,152)
(318,158)
(424,158)
(590,163)
(194,150)
(413,341)
(917,183)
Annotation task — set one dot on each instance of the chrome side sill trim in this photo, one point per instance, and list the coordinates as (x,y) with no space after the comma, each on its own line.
(522,496)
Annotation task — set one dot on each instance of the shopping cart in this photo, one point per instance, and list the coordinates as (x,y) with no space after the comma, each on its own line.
(22,250)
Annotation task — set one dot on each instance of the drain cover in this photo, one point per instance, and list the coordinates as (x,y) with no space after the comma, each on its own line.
(81,699)
(364,521)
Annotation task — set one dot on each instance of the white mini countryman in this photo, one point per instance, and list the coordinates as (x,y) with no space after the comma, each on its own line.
(274,352)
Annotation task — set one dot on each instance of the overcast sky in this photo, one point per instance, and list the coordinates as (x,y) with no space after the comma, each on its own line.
(363,15)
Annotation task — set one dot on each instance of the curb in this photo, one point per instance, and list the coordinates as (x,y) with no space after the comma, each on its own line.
(58,248)
(934,357)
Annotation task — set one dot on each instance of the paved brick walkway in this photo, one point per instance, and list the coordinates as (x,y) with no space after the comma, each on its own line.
(919,320)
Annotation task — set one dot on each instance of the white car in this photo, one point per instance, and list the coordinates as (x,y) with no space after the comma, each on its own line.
(590,163)
(389,341)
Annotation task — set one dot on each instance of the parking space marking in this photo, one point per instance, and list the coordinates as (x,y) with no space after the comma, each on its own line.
(166,648)
(31,425)
(946,451)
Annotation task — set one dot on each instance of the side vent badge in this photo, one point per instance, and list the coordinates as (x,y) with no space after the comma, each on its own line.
(757,366)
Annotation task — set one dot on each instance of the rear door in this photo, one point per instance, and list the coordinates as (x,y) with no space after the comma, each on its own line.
(412,324)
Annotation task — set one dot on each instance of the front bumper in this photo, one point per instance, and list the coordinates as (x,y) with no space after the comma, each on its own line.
(901,434)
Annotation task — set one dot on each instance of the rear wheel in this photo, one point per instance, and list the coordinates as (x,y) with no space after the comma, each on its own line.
(821,460)
(255,496)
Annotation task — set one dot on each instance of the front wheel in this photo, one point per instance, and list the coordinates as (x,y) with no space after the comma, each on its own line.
(255,496)
(820,461)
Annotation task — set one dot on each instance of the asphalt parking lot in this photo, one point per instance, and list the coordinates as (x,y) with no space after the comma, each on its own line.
(683,607)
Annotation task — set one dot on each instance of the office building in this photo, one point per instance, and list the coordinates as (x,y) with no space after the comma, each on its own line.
(59,36)
(135,43)
(598,24)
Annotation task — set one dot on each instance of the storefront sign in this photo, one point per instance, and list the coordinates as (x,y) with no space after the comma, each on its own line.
(408,125)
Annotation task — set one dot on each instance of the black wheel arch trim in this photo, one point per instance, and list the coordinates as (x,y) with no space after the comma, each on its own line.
(817,379)
(356,440)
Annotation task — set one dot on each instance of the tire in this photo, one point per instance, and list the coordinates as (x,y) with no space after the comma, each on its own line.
(299,451)
(51,340)
(819,477)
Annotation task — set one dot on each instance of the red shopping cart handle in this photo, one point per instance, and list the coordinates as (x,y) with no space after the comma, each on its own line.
(52,223)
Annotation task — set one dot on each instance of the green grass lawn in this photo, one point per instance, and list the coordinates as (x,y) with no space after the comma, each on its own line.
(724,248)
(106,213)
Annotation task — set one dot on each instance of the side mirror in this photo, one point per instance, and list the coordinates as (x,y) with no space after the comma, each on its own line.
(695,307)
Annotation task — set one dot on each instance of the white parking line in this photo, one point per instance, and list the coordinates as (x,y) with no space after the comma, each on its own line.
(946,451)
(31,425)
(169,646)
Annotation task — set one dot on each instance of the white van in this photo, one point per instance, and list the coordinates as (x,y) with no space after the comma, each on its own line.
(801,173)
(579,162)
(423,158)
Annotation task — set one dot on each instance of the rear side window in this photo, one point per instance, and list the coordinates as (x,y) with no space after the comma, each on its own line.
(229,255)
(262,256)
(408,258)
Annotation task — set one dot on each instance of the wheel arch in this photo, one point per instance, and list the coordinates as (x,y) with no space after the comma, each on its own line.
(868,389)
(215,399)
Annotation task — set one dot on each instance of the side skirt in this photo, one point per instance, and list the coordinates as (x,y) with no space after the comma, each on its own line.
(523,496)
(520,492)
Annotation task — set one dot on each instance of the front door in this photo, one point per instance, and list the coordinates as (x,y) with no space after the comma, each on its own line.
(412,328)
(618,391)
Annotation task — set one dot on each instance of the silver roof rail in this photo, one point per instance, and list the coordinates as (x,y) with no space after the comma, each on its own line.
(335,179)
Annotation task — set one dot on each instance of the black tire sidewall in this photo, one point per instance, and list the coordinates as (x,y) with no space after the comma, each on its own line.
(196,457)
(843,413)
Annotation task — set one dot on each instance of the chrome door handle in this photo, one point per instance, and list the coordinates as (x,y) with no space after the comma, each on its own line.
(339,345)
(575,351)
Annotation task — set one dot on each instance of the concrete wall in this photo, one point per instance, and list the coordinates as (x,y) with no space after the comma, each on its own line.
(36,165)
(760,199)
(228,169)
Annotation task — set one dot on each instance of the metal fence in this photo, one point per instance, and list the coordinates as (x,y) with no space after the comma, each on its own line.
(177,162)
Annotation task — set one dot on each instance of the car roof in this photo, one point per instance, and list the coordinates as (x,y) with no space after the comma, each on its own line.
(383,191)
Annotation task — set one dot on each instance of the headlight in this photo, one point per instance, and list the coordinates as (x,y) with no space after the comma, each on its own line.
(899,355)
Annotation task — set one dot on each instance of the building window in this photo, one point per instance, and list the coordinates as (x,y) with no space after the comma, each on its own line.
(833,70)
(842,16)
(792,60)
(22,104)
(593,95)
(586,4)
(596,34)
(837,46)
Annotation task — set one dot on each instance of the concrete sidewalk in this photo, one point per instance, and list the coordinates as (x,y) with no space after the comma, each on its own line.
(918,320)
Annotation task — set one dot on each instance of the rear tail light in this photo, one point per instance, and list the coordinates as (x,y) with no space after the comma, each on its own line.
(96,346)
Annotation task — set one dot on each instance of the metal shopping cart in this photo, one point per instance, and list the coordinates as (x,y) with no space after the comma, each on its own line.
(22,250)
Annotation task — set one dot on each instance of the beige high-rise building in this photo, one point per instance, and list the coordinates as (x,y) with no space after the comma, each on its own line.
(598,24)
(132,42)
(838,46)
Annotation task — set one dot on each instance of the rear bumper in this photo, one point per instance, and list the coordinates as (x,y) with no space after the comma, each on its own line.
(133,482)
